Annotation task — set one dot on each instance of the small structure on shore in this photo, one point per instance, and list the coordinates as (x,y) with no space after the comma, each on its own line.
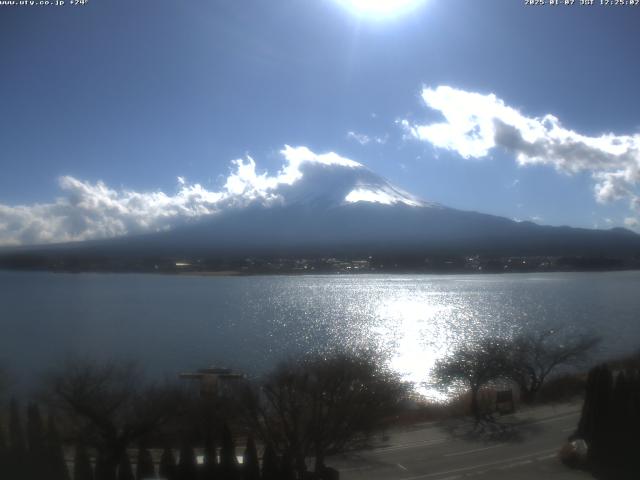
(504,402)
(213,380)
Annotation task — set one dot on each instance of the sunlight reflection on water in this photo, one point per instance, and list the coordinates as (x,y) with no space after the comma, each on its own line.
(419,335)
(414,322)
(171,323)
(417,320)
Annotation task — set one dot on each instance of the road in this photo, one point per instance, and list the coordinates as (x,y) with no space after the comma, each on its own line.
(446,451)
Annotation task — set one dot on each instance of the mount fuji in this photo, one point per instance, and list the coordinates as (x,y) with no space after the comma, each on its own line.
(328,206)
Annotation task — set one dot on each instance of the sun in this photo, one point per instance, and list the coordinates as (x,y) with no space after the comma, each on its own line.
(380,8)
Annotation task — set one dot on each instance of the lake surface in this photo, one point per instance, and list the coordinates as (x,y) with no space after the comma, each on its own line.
(175,323)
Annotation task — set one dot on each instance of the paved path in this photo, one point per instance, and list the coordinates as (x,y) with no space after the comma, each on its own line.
(445,451)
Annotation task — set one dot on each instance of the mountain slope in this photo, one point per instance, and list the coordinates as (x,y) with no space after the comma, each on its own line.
(340,207)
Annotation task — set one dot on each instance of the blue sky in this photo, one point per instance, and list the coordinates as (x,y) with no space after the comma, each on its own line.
(133,94)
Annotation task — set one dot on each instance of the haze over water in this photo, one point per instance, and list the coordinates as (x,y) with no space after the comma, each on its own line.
(175,323)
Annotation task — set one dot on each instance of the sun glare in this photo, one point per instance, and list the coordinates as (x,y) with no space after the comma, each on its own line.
(380,8)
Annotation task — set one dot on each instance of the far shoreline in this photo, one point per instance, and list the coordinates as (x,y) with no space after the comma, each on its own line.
(241,273)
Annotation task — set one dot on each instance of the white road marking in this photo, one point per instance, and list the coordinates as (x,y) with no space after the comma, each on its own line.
(515,464)
(547,457)
(465,452)
(403,467)
(555,419)
(410,445)
(355,469)
(482,465)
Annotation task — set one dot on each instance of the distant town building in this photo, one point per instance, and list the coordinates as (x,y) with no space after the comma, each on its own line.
(213,380)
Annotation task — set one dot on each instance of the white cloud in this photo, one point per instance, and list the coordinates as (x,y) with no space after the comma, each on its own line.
(476,123)
(361,138)
(632,222)
(87,210)
(364,139)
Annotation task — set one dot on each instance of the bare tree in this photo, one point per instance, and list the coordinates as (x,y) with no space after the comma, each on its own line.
(533,357)
(319,406)
(109,406)
(474,366)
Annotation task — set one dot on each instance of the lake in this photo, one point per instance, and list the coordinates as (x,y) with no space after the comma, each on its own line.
(175,323)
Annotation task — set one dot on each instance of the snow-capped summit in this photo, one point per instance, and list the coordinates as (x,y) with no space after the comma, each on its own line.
(315,180)
(333,185)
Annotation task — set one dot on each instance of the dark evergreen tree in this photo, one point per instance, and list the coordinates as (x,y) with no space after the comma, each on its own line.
(610,421)
(209,470)
(634,420)
(4,451)
(167,468)
(228,462)
(17,448)
(287,471)
(55,452)
(624,448)
(250,464)
(270,470)
(82,464)
(594,426)
(187,466)
(145,468)
(619,417)
(36,439)
(104,468)
(585,424)
(125,472)
(601,421)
